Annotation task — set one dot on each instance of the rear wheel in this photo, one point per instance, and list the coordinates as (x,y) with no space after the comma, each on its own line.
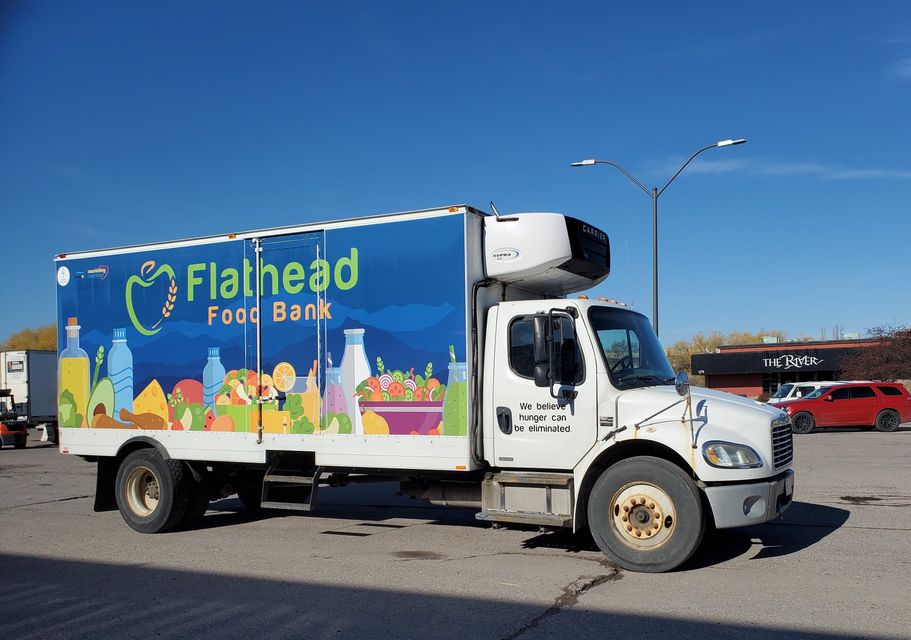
(803,423)
(646,514)
(21,442)
(153,494)
(887,421)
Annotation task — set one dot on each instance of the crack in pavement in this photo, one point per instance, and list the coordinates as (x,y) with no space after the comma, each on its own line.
(32,504)
(568,598)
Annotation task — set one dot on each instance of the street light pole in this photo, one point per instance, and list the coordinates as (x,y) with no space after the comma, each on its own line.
(654,193)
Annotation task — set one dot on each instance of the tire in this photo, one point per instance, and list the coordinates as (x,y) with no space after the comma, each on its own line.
(21,443)
(803,422)
(153,494)
(888,421)
(664,501)
(199,497)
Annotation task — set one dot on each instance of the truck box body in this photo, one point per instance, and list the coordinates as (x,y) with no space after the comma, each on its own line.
(31,376)
(394,394)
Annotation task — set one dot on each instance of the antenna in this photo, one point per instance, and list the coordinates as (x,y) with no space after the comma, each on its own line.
(494,208)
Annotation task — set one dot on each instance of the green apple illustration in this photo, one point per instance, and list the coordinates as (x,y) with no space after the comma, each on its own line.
(148,276)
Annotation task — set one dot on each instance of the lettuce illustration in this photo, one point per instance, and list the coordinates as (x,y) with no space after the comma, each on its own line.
(69,413)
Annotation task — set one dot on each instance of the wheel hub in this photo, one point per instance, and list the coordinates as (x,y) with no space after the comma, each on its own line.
(643,515)
(143,491)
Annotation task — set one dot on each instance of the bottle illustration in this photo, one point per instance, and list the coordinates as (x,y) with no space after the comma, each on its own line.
(334,396)
(120,371)
(74,379)
(213,377)
(455,403)
(355,369)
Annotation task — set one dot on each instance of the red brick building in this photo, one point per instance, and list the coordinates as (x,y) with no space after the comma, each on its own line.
(753,369)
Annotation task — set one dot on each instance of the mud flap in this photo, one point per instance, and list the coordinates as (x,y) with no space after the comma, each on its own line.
(105,499)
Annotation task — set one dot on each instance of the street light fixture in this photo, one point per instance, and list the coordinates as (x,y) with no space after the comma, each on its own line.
(653,193)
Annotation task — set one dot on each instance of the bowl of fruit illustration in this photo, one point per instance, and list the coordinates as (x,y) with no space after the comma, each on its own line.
(410,404)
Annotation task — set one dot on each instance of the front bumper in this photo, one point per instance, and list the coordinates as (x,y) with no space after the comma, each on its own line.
(742,505)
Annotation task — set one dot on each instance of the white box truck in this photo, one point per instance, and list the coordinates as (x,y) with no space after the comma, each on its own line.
(436,347)
(30,375)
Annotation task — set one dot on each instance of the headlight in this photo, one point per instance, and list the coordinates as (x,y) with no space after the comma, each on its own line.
(782,419)
(727,455)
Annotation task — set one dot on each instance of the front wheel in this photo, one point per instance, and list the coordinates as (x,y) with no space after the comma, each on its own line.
(887,421)
(803,422)
(646,514)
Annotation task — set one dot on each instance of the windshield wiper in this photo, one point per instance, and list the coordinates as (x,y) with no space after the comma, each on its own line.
(647,378)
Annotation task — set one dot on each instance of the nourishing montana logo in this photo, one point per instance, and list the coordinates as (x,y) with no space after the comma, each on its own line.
(148,276)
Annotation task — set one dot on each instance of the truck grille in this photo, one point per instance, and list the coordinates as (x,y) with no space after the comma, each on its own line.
(782,445)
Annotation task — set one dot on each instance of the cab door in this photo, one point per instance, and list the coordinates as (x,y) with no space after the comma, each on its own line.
(542,427)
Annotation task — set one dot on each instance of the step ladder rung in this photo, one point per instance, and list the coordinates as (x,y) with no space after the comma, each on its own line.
(288,479)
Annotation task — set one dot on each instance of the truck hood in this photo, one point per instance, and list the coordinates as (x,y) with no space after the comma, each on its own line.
(659,396)
(717,416)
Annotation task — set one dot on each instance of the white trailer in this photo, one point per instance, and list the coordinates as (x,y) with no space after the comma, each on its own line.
(437,348)
(31,376)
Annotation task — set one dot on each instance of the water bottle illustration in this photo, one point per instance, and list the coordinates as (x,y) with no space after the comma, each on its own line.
(355,369)
(120,371)
(73,385)
(455,403)
(213,377)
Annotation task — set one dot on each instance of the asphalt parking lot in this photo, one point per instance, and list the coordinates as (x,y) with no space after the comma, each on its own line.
(370,564)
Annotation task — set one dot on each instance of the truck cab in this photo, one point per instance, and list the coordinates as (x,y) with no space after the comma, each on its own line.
(582,391)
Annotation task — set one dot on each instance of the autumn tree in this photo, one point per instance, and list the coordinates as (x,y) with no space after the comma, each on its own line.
(44,337)
(890,359)
(680,352)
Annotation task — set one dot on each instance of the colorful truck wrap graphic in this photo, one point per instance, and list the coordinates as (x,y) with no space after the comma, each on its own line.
(362,330)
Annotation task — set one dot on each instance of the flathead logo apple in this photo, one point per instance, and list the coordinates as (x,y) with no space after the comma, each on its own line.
(148,276)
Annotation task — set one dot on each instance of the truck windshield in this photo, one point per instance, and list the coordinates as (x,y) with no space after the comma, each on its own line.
(631,350)
(783,390)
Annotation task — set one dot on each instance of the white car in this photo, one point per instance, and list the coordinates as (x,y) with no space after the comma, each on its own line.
(798,390)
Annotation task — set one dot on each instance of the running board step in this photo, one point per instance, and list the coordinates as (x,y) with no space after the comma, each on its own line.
(289,490)
(528,497)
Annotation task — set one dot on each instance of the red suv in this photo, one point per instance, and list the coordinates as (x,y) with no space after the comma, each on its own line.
(883,405)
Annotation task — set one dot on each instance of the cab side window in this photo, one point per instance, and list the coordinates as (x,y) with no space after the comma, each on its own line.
(862,392)
(568,362)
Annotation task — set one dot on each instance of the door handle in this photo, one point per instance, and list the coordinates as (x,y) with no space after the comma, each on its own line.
(504,420)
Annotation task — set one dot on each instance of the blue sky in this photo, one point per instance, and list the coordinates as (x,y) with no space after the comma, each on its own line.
(142,121)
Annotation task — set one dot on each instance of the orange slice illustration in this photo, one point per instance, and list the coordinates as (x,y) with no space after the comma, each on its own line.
(283,376)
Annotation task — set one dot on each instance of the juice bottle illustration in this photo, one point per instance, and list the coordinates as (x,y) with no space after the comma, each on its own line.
(355,369)
(310,398)
(455,403)
(74,371)
(213,377)
(120,371)
(334,396)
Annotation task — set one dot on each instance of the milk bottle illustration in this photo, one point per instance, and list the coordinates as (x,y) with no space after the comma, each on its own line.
(355,369)
(213,377)
(120,371)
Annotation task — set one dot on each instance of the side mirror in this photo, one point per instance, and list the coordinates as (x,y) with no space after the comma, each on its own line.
(829,399)
(542,341)
(682,383)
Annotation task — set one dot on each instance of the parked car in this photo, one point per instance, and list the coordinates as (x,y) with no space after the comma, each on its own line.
(883,405)
(797,390)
